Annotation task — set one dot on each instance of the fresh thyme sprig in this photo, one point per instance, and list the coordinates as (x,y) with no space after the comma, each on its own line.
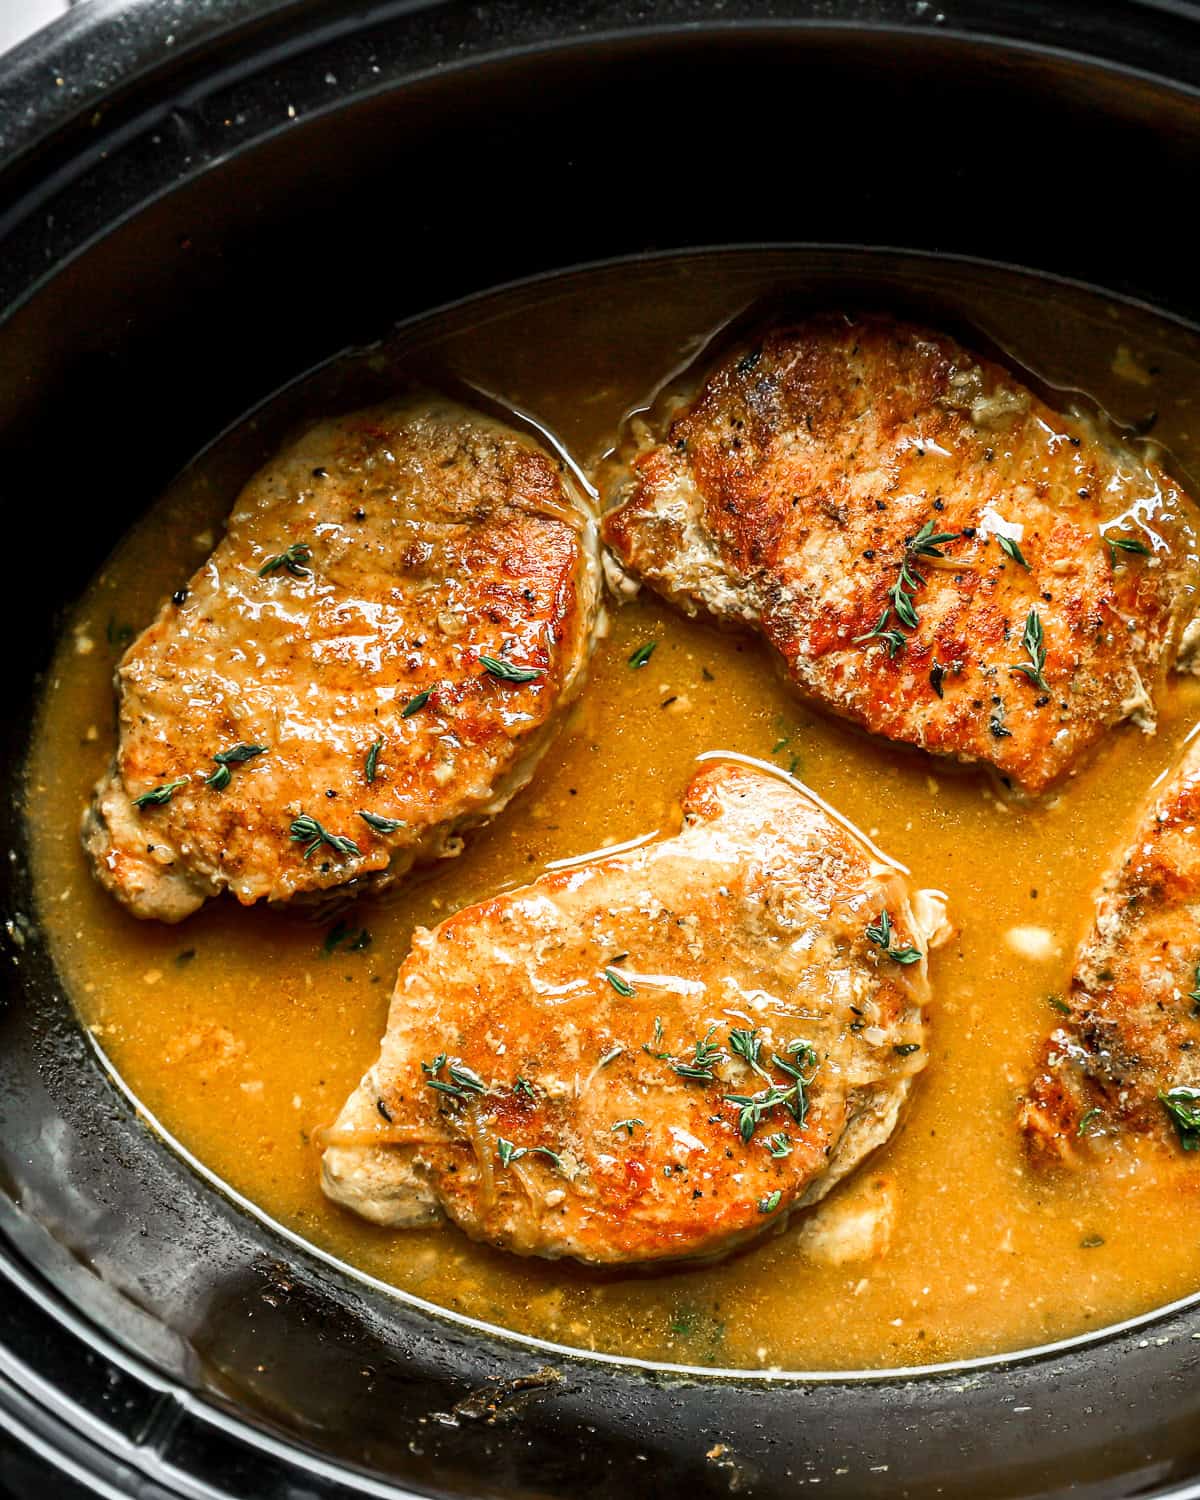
(880,933)
(1031,640)
(753,1108)
(1117,544)
(291,559)
(902,594)
(507,1152)
(381,824)
(416,703)
(643,654)
(619,982)
(629,1126)
(306,830)
(372,764)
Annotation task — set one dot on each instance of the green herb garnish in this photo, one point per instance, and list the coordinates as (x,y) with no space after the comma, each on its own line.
(1056,1002)
(699,1067)
(1086,1120)
(619,982)
(902,594)
(880,933)
(306,830)
(380,825)
(1194,992)
(1117,544)
(753,1108)
(161,795)
(416,703)
(507,1152)
(629,1126)
(506,672)
(523,1086)
(221,777)
(291,558)
(372,764)
(1183,1106)
(779,1144)
(906,1049)
(643,654)
(1031,640)
(459,1082)
(770,1203)
(1012,549)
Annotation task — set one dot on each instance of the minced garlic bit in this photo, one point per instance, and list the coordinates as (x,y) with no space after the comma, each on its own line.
(1036,944)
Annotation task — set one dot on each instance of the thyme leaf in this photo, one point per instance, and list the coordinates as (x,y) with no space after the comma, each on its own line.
(771,1202)
(460,1080)
(619,982)
(161,795)
(1117,544)
(291,559)
(629,1126)
(1012,549)
(642,655)
(496,666)
(416,703)
(379,824)
(236,756)
(1086,1121)
(880,933)
(372,764)
(1183,1106)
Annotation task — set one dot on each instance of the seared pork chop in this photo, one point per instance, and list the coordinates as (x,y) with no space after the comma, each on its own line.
(935,553)
(653,1054)
(1125,1056)
(372,660)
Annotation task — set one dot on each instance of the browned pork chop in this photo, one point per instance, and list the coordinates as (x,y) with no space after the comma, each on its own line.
(935,554)
(372,659)
(1125,1056)
(653,1054)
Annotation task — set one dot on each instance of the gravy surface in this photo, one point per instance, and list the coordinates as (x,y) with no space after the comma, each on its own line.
(242,1031)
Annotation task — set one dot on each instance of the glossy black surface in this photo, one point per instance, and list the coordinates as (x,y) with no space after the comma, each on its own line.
(174,243)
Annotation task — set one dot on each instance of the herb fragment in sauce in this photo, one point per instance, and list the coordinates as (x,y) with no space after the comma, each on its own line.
(460,1081)
(648,1047)
(292,559)
(507,1152)
(1117,544)
(523,1086)
(1183,1106)
(1056,1002)
(372,764)
(506,672)
(771,1202)
(746,1045)
(1091,1242)
(161,795)
(1031,640)
(643,654)
(341,932)
(629,1126)
(383,1110)
(380,825)
(416,703)
(619,982)
(779,1144)
(880,933)
(306,830)
(906,1049)
(1012,549)
(1086,1122)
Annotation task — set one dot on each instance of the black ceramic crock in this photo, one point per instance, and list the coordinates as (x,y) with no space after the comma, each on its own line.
(198,201)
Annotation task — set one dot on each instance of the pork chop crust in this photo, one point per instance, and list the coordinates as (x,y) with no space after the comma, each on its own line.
(651,1055)
(797,493)
(1128,1041)
(335,650)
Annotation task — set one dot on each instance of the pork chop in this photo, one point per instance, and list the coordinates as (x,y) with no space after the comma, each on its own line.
(1124,1059)
(935,554)
(653,1054)
(372,659)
